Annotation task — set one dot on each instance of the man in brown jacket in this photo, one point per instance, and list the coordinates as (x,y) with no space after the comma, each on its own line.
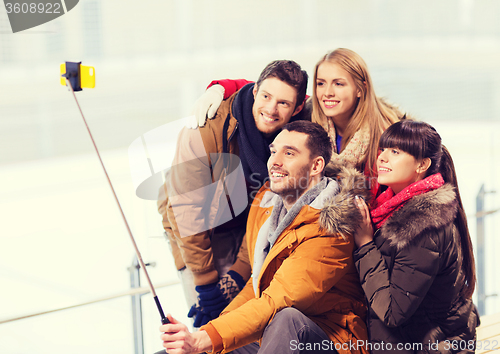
(216,171)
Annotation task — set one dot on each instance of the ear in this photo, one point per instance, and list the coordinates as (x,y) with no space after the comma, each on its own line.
(318,165)
(299,108)
(424,165)
(359,91)
(254,91)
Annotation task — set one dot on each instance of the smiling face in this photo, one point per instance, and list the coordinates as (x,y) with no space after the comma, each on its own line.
(275,103)
(336,91)
(290,166)
(398,169)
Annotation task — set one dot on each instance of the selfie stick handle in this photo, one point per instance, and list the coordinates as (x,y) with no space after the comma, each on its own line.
(164,320)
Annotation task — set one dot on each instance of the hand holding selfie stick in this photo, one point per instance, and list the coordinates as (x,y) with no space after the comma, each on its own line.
(76,77)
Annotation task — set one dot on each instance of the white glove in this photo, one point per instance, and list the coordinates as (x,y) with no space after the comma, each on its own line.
(207,106)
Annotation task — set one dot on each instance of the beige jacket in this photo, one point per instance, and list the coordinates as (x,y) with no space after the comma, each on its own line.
(188,206)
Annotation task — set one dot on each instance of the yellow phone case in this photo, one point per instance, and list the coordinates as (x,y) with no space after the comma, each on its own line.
(87,76)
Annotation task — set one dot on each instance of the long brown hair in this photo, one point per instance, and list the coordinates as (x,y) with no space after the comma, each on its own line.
(370,110)
(421,140)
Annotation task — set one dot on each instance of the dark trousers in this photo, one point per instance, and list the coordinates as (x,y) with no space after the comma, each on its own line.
(291,332)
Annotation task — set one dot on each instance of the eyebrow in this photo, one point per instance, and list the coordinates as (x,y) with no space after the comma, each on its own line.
(286,147)
(281,100)
(336,79)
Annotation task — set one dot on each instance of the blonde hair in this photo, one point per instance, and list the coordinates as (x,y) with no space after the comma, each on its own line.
(370,110)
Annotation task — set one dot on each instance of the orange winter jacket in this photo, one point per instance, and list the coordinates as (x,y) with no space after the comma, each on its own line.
(310,267)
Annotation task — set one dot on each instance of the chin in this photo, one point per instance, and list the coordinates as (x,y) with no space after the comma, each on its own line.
(274,189)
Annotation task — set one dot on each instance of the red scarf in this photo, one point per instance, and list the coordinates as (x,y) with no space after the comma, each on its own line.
(387,203)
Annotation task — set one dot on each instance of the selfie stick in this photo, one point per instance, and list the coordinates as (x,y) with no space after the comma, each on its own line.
(72,74)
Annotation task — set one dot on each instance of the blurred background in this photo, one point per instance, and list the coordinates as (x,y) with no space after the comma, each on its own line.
(63,243)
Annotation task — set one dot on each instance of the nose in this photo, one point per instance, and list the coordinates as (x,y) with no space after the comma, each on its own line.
(271,107)
(330,91)
(382,157)
(275,160)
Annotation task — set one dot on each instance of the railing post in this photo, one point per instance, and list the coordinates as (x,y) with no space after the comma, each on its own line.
(480,246)
(135,282)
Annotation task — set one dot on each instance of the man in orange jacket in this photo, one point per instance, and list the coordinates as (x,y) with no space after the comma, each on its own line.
(304,294)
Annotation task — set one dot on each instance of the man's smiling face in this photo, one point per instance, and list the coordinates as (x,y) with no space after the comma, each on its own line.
(275,103)
(290,165)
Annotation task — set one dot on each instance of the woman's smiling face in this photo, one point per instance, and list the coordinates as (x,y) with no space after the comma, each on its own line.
(397,169)
(336,91)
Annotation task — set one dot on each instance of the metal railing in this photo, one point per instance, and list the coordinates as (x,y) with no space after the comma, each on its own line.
(480,247)
(132,292)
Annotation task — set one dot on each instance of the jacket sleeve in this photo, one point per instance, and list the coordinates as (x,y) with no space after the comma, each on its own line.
(230,86)
(395,295)
(242,264)
(186,204)
(162,209)
(295,283)
(246,294)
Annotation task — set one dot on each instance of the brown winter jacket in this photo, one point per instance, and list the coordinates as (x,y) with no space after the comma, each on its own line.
(309,267)
(197,164)
(411,274)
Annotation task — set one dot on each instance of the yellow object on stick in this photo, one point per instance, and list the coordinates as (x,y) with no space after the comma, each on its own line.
(80,76)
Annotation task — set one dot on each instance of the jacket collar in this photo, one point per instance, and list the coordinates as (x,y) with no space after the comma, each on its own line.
(275,226)
(315,198)
(340,215)
(424,212)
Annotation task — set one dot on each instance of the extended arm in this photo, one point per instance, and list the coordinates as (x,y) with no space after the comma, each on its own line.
(206,106)
(184,208)
(291,286)
(178,340)
(230,86)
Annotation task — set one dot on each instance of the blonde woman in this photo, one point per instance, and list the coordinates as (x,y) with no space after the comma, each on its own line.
(345,104)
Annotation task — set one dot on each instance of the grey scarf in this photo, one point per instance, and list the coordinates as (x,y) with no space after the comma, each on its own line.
(279,220)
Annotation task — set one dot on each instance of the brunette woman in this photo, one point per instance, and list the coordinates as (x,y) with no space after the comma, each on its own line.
(416,263)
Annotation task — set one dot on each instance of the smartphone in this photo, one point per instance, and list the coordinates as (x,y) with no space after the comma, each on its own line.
(87,76)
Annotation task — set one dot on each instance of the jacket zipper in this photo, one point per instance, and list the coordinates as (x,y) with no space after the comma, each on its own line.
(234,131)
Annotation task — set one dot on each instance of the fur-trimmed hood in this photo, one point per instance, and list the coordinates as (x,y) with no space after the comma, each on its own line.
(424,212)
(340,215)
